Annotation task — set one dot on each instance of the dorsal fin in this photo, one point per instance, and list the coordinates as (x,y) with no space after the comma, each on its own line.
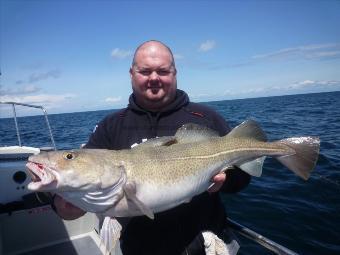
(194,133)
(188,133)
(248,129)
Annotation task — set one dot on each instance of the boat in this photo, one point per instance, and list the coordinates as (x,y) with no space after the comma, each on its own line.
(28,224)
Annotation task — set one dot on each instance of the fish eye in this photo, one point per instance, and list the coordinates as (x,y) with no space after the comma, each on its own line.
(69,155)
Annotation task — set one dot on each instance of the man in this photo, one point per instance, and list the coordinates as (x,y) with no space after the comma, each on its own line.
(157,108)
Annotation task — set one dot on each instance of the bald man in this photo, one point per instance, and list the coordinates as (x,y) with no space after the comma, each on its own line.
(157,108)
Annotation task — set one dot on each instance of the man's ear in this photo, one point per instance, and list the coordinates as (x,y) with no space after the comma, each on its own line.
(130,71)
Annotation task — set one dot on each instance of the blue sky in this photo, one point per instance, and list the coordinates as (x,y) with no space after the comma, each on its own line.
(75,55)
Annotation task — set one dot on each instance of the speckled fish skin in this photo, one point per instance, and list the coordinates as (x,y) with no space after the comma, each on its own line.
(164,173)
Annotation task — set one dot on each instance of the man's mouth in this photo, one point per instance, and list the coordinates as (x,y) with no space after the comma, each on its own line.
(154,89)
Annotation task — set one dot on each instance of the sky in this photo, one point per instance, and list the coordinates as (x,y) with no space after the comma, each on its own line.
(75,55)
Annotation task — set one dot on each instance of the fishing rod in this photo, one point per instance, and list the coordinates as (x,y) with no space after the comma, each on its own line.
(256,237)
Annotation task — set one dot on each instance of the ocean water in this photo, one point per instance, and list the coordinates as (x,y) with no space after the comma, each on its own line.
(301,215)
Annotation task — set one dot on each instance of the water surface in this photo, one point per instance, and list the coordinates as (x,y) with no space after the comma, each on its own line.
(304,216)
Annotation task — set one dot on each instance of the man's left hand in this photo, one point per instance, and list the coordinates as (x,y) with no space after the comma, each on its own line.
(218,181)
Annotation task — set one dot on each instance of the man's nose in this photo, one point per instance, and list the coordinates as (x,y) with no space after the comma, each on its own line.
(154,76)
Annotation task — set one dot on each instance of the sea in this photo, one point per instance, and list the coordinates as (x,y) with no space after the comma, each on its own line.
(303,216)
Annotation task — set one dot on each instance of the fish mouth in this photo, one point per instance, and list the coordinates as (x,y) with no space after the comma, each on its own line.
(34,177)
(43,177)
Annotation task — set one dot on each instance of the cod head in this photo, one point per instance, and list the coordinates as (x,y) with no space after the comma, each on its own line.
(81,170)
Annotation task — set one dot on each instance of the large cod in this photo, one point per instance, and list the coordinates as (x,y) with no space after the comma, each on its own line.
(163,172)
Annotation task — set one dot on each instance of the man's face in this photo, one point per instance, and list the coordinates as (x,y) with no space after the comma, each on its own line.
(153,77)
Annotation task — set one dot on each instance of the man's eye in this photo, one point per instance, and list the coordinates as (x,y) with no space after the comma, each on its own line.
(163,72)
(159,72)
(145,72)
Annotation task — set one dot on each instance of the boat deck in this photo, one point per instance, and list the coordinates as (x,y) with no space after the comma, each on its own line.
(81,245)
(39,231)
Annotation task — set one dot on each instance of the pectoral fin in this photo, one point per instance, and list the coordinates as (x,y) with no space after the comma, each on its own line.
(110,234)
(130,193)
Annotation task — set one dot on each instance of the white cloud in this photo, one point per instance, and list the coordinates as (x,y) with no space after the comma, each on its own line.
(120,54)
(52,102)
(305,86)
(55,73)
(329,83)
(20,90)
(40,76)
(113,100)
(207,45)
(324,54)
(307,82)
(301,86)
(312,51)
(202,95)
(31,89)
(318,46)
(42,99)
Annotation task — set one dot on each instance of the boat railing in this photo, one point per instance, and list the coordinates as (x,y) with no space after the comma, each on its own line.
(16,122)
(258,238)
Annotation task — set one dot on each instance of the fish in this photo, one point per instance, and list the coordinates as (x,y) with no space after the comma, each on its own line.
(164,172)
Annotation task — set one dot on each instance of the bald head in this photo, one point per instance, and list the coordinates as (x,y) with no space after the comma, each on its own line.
(153,76)
(153,47)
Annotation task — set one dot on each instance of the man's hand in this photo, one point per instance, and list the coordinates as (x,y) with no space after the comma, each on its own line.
(218,181)
(66,210)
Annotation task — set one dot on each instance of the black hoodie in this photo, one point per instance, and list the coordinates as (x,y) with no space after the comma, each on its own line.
(173,230)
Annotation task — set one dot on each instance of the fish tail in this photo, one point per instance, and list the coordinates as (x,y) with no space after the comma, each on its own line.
(303,161)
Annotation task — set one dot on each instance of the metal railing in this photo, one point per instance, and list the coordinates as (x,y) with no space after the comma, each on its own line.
(256,237)
(16,122)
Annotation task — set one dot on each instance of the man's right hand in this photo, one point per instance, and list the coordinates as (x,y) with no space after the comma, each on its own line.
(66,210)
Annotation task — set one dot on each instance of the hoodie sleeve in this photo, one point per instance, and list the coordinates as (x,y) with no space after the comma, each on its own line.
(101,135)
(209,117)
(221,125)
